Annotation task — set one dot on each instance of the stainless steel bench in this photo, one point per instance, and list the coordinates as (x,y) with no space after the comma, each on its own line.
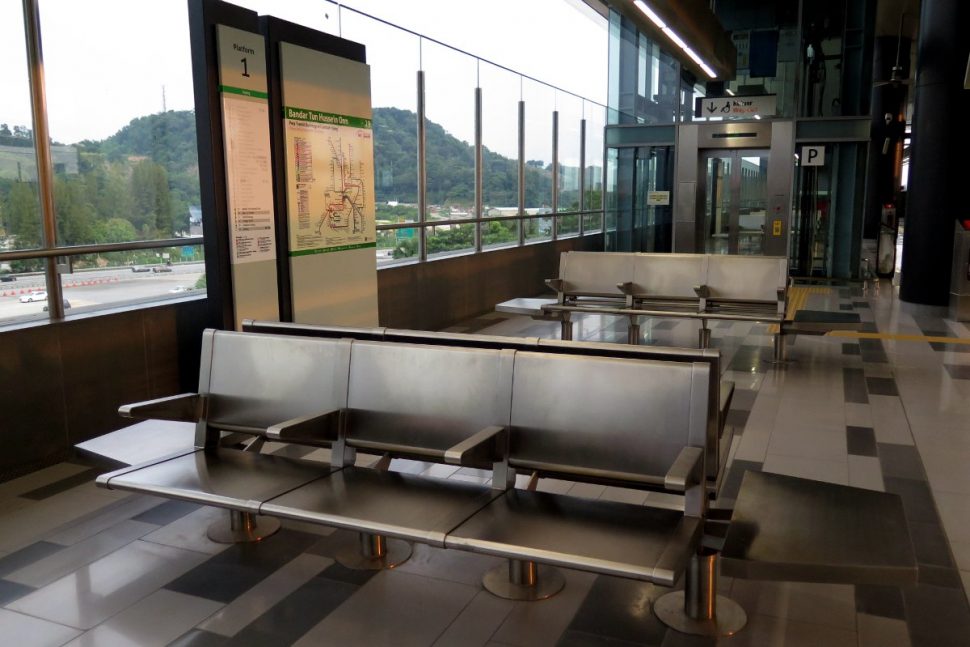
(693,286)
(719,434)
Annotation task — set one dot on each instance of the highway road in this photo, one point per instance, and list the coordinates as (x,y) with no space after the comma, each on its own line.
(91,290)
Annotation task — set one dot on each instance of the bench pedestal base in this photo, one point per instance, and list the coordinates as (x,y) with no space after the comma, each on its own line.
(698,609)
(373,553)
(523,580)
(242,527)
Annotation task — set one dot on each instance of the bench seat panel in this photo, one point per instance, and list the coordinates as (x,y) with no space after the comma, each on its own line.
(228,478)
(604,537)
(389,503)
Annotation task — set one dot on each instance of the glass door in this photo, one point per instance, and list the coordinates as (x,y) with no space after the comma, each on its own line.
(734,201)
(638,198)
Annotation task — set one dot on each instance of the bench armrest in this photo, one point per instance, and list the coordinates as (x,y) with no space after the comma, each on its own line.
(556,285)
(311,428)
(483,445)
(702,291)
(782,300)
(185,407)
(686,470)
(625,288)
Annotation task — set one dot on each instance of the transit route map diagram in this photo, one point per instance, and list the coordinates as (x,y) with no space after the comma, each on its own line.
(330,171)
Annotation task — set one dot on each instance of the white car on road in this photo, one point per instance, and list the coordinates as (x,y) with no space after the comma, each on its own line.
(36,295)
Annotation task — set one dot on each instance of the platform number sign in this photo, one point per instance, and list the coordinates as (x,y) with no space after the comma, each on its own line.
(813,156)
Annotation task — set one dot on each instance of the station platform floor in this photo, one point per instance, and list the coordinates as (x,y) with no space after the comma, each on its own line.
(886,409)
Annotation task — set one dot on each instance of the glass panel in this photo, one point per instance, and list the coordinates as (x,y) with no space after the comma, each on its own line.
(450,80)
(717,203)
(395,245)
(595,123)
(753,203)
(612,204)
(446,240)
(124,154)
(500,141)
(654,172)
(497,234)
(539,104)
(570,114)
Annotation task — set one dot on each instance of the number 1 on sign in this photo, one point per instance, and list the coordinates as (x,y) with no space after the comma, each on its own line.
(245,67)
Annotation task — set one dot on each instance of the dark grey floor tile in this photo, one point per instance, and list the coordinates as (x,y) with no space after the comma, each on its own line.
(732,482)
(854,386)
(881,386)
(900,460)
(844,293)
(226,576)
(737,418)
(940,576)
(10,591)
(165,513)
(950,348)
(64,484)
(917,498)
(861,441)
(930,544)
(749,358)
(483,322)
(846,306)
(607,612)
(294,451)
(856,292)
(850,349)
(885,601)
(581,639)
(296,614)
(872,350)
(958,371)
(860,304)
(27,555)
(937,616)
(743,399)
(723,324)
(198,638)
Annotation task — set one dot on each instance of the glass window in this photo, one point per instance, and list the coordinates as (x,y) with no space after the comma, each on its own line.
(595,123)
(539,105)
(500,154)
(447,240)
(570,110)
(450,81)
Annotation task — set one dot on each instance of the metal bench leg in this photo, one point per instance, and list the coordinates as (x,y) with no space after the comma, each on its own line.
(242,527)
(523,580)
(373,553)
(567,330)
(698,609)
(633,332)
(704,337)
(779,347)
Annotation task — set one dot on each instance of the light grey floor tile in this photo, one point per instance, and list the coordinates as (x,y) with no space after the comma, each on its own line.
(955,512)
(393,608)
(64,562)
(477,622)
(808,468)
(809,443)
(876,631)
(865,472)
(189,532)
(39,479)
(156,620)
(965,576)
(451,565)
(229,620)
(539,624)
(554,486)
(858,415)
(769,631)
(827,604)
(19,629)
(99,590)
(93,523)
(623,495)
(961,553)
(587,490)
(889,420)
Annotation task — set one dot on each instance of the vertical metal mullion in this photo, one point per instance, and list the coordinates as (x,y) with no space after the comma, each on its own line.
(42,149)
(422,179)
(555,174)
(582,177)
(478,170)
(521,171)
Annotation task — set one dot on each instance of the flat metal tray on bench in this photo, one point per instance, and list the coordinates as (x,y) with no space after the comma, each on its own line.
(143,442)
(793,529)
(601,536)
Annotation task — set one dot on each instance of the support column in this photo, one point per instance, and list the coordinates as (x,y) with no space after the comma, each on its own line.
(941,136)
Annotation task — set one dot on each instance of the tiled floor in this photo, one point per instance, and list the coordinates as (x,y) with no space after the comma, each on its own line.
(84,566)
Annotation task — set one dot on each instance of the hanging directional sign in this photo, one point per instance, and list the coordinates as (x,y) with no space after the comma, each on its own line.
(763,105)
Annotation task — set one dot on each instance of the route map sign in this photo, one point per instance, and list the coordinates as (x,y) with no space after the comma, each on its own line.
(330,166)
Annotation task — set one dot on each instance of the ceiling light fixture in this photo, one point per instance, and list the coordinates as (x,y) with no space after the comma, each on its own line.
(674,37)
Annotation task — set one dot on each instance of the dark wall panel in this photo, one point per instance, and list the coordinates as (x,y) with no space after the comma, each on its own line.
(435,295)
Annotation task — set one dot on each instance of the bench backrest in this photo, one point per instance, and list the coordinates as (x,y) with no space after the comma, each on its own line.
(425,397)
(672,276)
(253,381)
(605,418)
(595,273)
(746,278)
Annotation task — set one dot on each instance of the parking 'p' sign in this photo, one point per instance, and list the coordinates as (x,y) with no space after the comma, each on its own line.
(813,156)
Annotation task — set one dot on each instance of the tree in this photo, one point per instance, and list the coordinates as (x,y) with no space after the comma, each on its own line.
(152,202)
(5,130)
(23,216)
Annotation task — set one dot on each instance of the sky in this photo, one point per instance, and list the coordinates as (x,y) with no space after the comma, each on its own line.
(107,61)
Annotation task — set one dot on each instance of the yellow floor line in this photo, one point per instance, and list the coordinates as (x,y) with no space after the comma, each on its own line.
(855,334)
